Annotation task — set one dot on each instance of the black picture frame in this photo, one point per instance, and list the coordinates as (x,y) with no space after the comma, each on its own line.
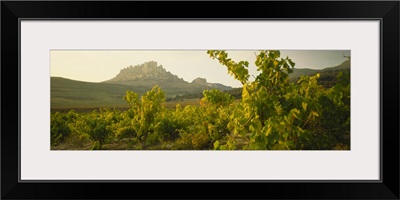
(386,11)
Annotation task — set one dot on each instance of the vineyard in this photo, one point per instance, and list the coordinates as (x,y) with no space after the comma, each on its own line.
(273,113)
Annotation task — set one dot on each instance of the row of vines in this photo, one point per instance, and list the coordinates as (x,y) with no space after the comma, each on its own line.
(273,114)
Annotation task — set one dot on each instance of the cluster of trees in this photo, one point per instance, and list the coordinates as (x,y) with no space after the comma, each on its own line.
(272,114)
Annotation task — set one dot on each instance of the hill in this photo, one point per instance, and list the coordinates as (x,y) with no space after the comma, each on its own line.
(306,71)
(327,75)
(71,93)
(149,74)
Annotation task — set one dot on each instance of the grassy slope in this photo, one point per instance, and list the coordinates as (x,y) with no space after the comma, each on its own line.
(171,88)
(70,93)
(66,93)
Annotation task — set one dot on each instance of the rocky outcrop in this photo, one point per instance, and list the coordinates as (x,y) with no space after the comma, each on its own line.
(148,70)
(145,76)
(200,81)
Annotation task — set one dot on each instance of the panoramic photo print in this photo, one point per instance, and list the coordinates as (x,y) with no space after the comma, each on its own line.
(200,99)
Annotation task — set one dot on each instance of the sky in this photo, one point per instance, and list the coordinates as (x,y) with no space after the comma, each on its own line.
(102,65)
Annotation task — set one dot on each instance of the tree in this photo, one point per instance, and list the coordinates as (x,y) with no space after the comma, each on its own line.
(145,111)
(60,126)
(98,126)
(216,98)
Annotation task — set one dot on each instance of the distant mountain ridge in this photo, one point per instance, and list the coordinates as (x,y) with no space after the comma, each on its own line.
(306,71)
(150,74)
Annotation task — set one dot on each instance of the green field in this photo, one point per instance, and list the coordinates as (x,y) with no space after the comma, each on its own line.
(67,93)
(70,94)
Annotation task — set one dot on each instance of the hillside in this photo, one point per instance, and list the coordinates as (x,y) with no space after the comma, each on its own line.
(328,76)
(71,93)
(306,71)
(67,93)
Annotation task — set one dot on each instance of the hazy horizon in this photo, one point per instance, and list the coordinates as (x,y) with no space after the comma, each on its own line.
(101,65)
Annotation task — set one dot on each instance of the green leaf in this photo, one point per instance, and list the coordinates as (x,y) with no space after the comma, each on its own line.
(280,146)
(291,62)
(269,129)
(216,144)
(304,104)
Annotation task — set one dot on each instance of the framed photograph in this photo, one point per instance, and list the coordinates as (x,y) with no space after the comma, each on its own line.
(265,97)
